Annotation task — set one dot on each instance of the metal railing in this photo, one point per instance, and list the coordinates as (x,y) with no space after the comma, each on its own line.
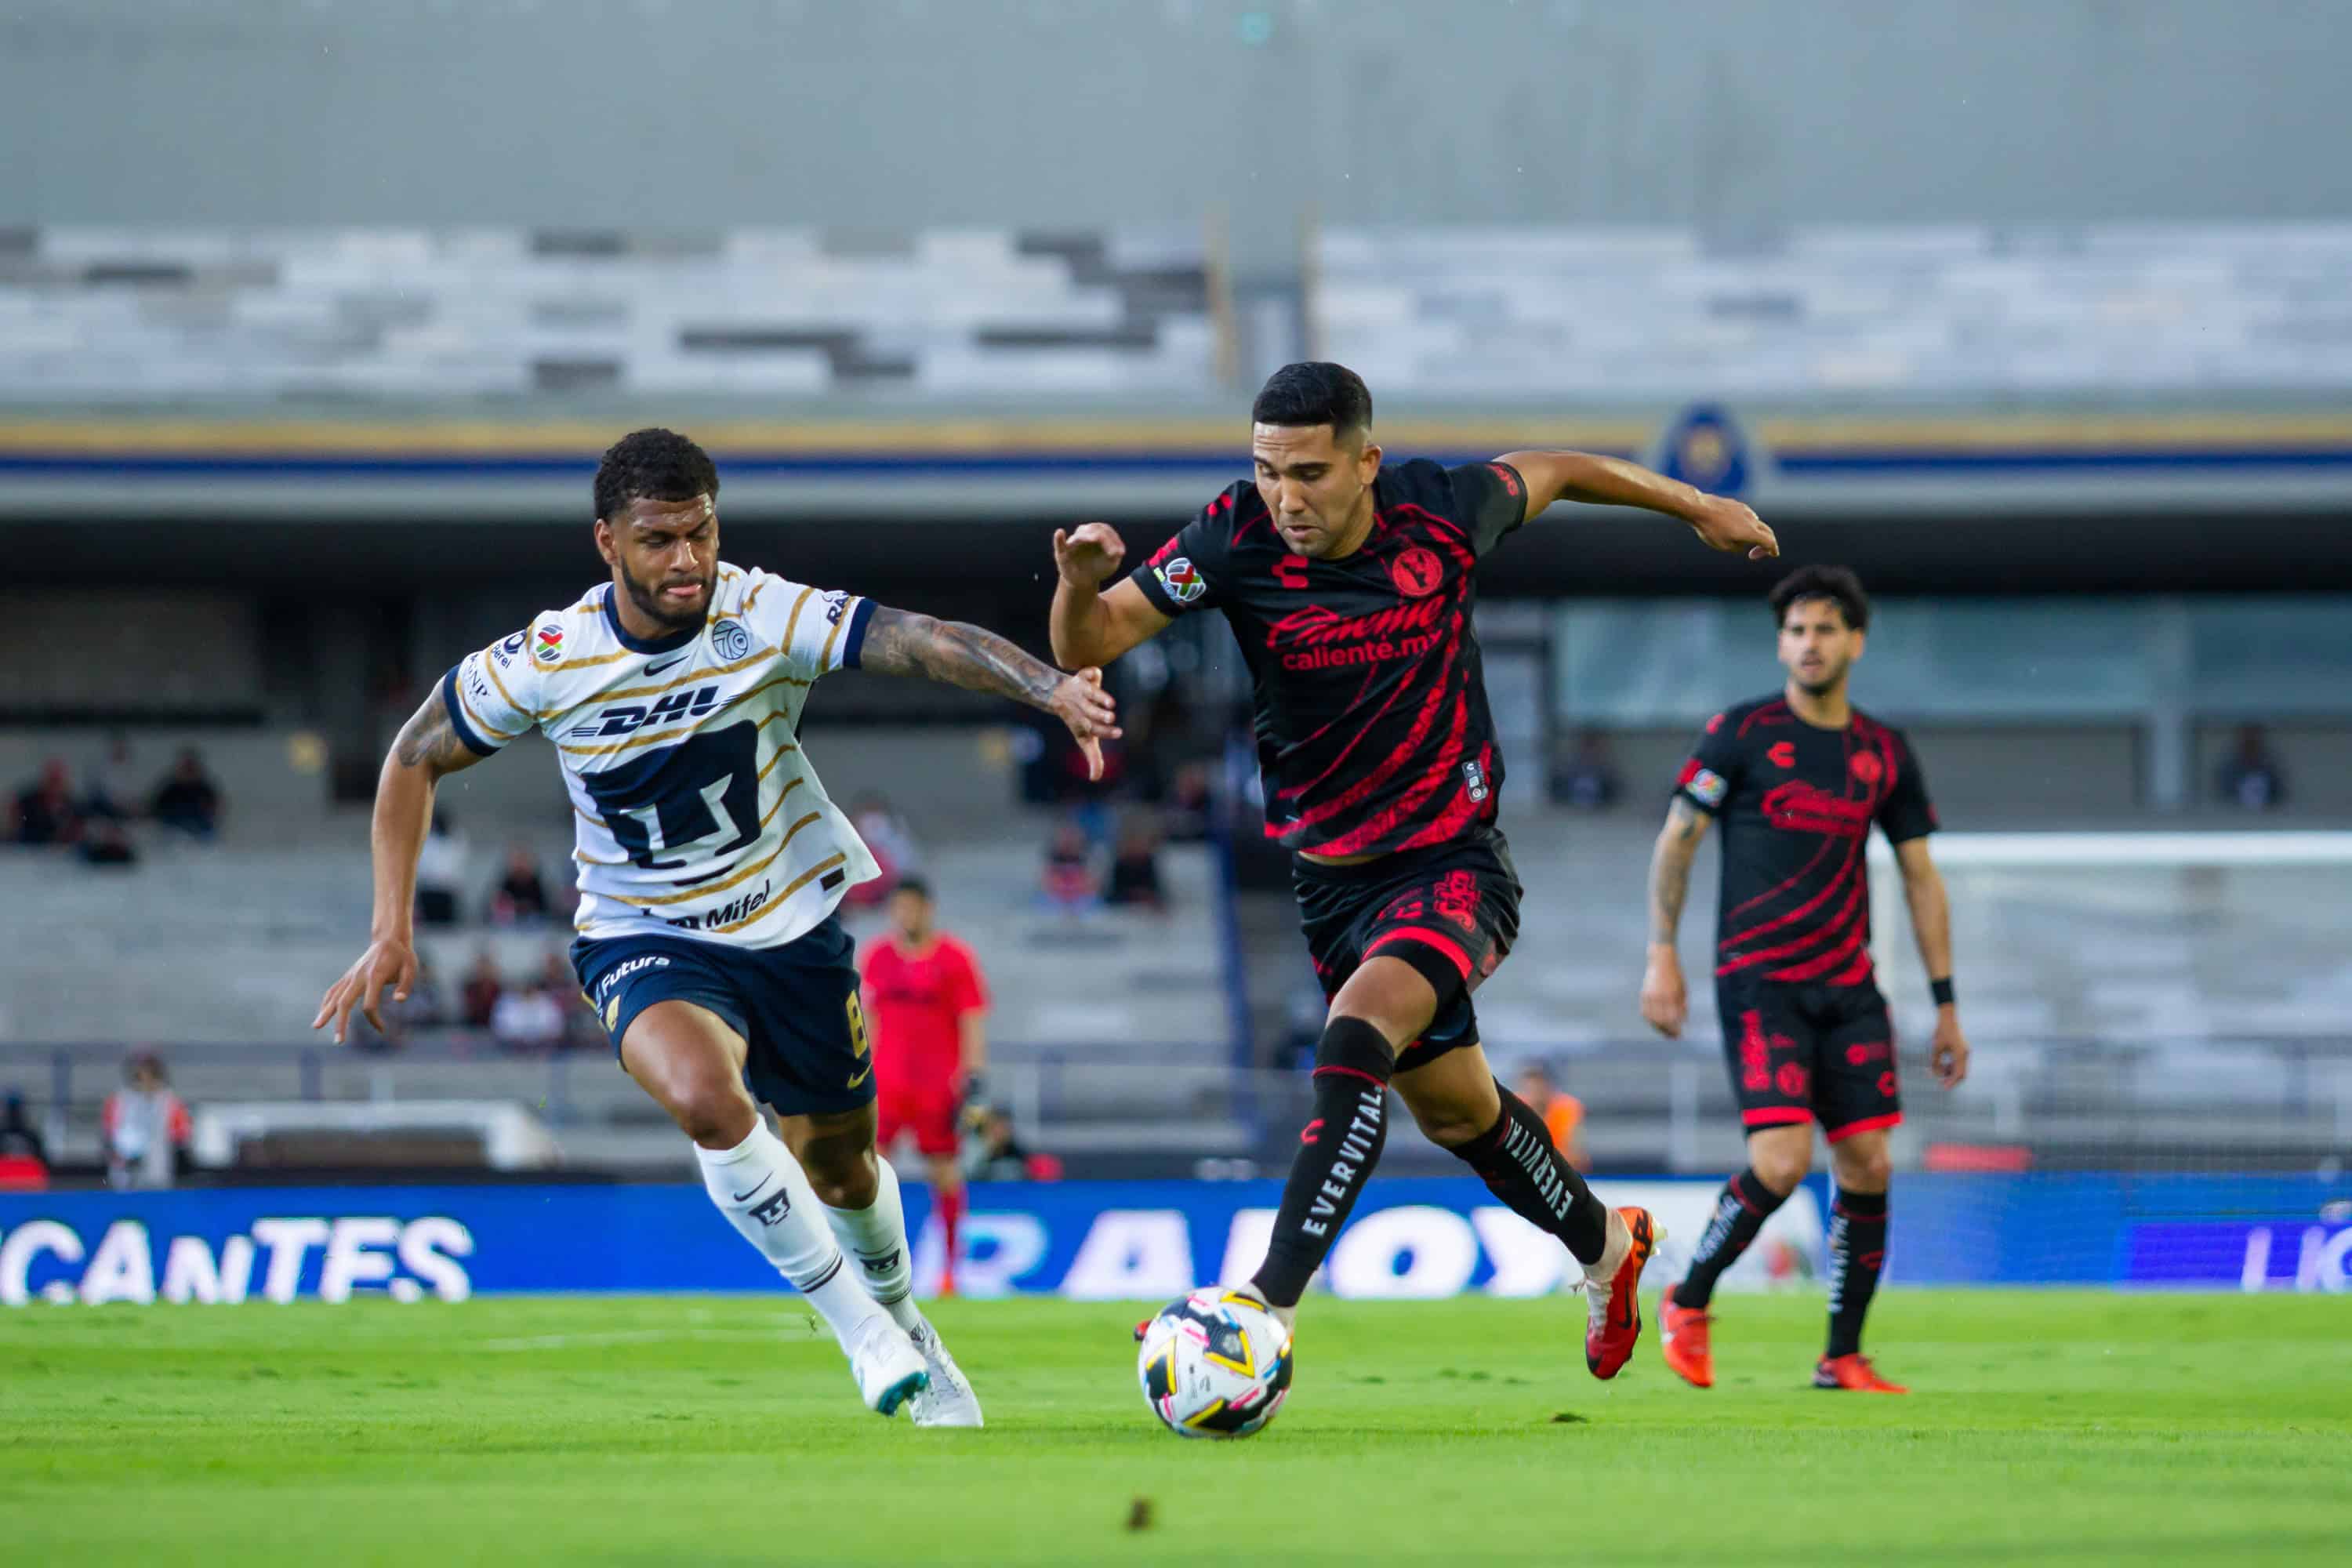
(2265,1103)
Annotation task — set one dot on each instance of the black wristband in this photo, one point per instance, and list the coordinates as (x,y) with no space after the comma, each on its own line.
(1941,990)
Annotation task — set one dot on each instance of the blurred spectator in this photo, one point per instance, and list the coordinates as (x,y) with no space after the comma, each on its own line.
(427,1007)
(112,794)
(893,842)
(145,1126)
(19,1138)
(1564,1113)
(998,1155)
(23,1157)
(2251,779)
(528,1020)
(1589,780)
(562,982)
(442,866)
(477,996)
(1135,871)
(106,842)
(187,800)
(521,898)
(1069,879)
(1191,799)
(45,811)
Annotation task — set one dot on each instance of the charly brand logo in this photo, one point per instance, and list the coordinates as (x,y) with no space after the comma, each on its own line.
(729,640)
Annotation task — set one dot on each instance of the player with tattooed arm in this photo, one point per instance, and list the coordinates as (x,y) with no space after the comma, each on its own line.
(710,860)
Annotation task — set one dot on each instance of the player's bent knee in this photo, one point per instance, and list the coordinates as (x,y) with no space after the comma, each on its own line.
(701,1092)
(838,1152)
(1867,1169)
(715,1114)
(1450,1115)
(1391,996)
(1782,1156)
(1449,1127)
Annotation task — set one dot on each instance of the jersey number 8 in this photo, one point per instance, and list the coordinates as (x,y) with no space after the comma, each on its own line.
(699,798)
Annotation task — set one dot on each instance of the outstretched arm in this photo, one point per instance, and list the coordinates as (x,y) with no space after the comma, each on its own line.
(1091,626)
(900,642)
(1720,522)
(426,750)
(1665,1001)
(1931,927)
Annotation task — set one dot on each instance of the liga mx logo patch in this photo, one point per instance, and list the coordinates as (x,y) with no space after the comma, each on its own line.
(730,641)
(1704,784)
(550,644)
(1181,579)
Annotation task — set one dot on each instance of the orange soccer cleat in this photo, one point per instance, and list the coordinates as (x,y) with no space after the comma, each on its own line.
(1681,1343)
(1614,1323)
(1853,1373)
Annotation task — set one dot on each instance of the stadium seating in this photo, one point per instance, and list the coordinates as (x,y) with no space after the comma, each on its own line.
(2137,955)
(1955,309)
(108,315)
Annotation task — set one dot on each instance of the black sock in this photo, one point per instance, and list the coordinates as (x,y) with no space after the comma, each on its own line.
(1335,1153)
(1857,1252)
(1520,1164)
(1740,1211)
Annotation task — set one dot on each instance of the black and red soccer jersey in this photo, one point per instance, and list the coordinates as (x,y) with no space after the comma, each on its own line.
(1796,803)
(1372,728)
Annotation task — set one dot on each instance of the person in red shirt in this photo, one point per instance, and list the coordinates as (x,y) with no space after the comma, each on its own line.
(929,1006)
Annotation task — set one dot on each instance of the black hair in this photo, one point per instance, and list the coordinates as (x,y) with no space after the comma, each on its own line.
(1836,583)
(652,465)
(914,885)
(1316,391)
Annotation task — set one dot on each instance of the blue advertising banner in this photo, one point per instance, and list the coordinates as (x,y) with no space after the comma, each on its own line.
(1411,1239)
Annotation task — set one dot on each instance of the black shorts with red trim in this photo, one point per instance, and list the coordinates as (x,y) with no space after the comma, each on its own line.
(1452,911)
(1810,1053)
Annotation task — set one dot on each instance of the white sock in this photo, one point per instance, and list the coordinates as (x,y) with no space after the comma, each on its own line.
(764,1193)
(876,1236)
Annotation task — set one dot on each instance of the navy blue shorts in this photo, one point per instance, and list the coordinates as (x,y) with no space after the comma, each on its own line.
(795,1004)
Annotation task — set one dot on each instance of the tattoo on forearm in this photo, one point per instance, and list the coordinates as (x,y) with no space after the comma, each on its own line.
(1670,869)
(429,741)
(900,643)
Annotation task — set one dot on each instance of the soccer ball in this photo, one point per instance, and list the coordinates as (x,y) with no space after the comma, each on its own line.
(1214,1364)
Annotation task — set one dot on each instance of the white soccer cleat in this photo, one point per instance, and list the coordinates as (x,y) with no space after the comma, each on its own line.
(947,1400)
(889,1367)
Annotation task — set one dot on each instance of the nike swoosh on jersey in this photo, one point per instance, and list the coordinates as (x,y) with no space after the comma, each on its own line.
(657,669)
(864,1074)
(755,1191)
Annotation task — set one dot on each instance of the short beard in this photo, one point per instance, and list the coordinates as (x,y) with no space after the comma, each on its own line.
(650,603)
(1820,688)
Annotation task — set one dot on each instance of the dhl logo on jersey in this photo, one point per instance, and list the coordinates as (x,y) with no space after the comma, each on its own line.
(630,717)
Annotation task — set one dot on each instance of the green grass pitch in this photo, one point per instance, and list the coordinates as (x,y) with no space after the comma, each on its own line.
(2045,1428)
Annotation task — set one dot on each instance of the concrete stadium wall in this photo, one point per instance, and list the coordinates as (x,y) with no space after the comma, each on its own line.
(1067,112)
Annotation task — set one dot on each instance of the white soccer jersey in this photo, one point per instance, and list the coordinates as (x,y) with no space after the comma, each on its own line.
(698,814)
